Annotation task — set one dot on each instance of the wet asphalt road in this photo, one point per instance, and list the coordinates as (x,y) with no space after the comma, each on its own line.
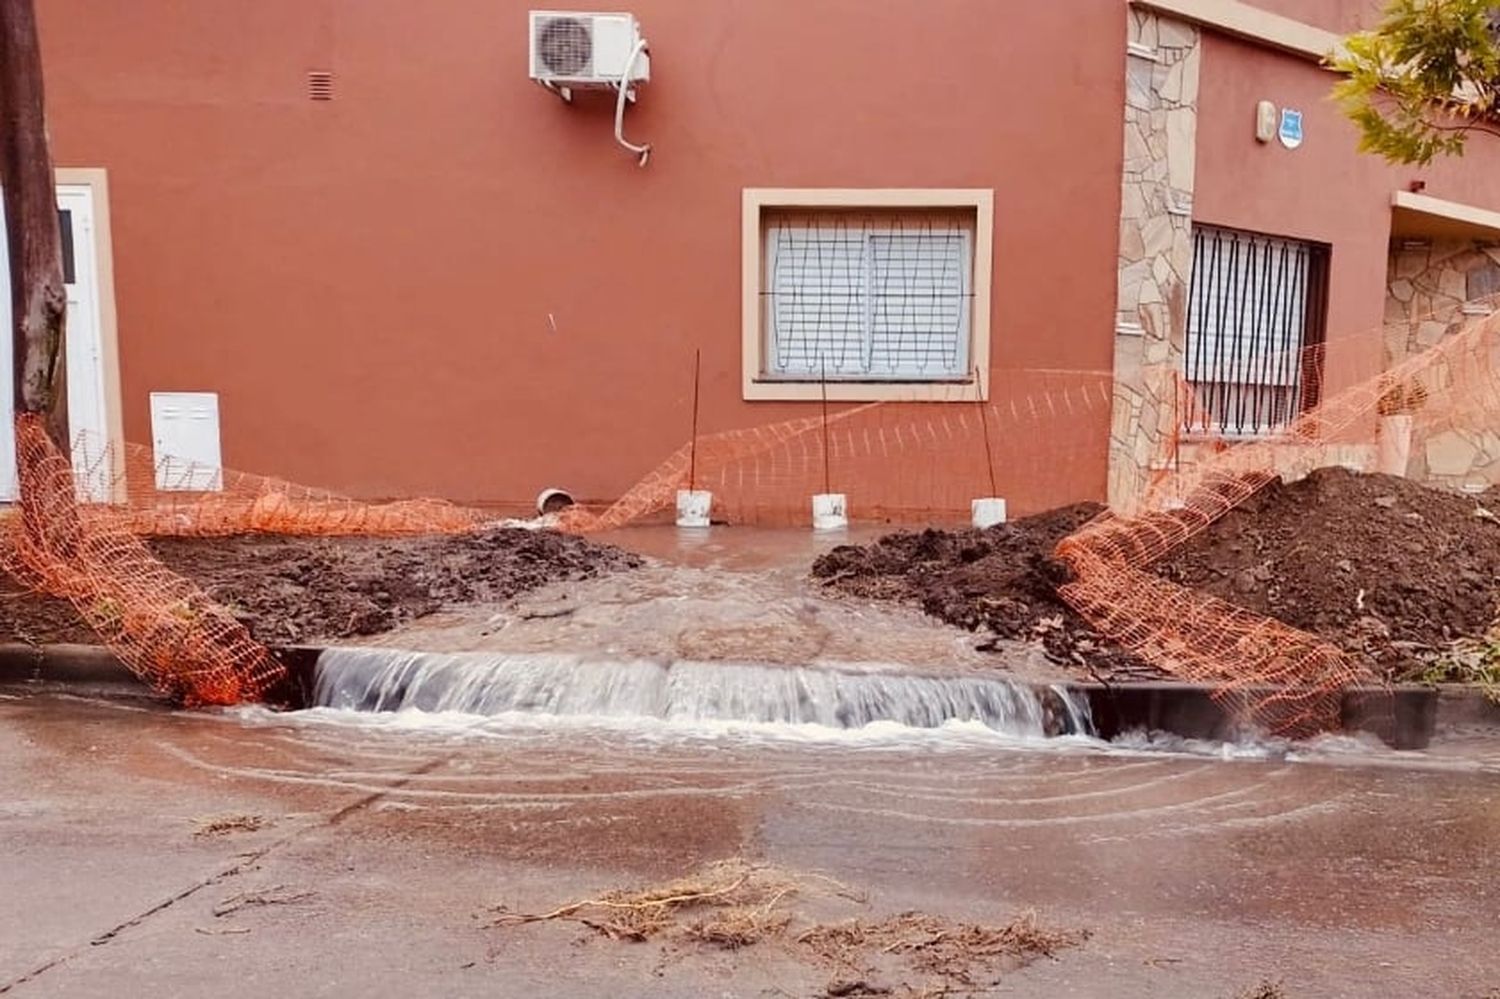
(1354,873)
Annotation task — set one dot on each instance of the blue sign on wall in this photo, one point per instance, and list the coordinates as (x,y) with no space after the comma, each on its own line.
(1290,132)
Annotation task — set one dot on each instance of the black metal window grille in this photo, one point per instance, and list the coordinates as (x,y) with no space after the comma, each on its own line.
(1254,324)
(868,299)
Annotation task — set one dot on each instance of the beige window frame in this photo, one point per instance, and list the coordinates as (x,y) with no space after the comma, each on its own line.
(758,202)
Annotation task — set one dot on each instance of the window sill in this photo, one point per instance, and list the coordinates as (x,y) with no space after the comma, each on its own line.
(768,390)
(1225,437)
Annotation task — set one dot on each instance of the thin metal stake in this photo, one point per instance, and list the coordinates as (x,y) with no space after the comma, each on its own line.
(693,448)
(823,384)
(989,455)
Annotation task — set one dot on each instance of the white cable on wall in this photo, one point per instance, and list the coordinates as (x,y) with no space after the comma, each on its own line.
(643,150)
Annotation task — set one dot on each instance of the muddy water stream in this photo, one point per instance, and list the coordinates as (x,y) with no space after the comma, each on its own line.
(849,697)
(721,596)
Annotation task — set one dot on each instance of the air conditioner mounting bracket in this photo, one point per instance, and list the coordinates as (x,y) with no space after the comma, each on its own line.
(565,93)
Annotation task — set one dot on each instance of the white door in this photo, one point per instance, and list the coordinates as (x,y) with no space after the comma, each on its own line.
(88,419)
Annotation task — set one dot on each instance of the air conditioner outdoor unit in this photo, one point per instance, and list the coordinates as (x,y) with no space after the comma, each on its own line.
(587,50)
(591,51)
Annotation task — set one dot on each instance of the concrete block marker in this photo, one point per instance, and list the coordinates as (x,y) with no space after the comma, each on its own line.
(988,511)
(830,512)
(693,507)
(1393,444)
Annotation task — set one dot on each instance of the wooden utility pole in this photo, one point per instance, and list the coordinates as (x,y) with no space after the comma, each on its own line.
(39,300)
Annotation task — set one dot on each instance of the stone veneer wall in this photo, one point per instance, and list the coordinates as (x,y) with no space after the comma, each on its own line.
(1432,291)
(1156,249)
(1427,291)
(1429,284)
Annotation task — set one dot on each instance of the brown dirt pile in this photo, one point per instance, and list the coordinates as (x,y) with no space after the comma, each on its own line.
(1001,580)
(733,904)
(290,590)
(1383,567)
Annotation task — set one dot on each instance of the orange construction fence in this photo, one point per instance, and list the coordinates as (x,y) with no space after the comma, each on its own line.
(1042,439)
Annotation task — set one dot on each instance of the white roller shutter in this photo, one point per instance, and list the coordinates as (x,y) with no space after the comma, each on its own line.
(1248,308)
(920,315)
(818,303)
(868,303)
(1247,327)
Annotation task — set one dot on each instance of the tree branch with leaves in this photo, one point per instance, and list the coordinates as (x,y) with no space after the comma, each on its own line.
(1424,80)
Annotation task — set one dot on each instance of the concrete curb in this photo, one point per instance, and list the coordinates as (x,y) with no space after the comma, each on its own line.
(62,664)
(94,664)
(1466,704)
(1404,716)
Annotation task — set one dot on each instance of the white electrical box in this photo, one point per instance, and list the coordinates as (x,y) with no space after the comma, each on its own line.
(185,441)
(587,49)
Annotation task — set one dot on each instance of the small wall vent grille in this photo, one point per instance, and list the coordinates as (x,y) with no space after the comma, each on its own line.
(320,85)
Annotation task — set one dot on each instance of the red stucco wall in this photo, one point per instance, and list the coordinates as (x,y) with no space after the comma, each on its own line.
(368,282)
(1325,190)
(1331,15)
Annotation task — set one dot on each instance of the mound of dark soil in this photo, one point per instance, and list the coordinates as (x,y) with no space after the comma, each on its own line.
(1001,580)
(290,590)
(1381,566)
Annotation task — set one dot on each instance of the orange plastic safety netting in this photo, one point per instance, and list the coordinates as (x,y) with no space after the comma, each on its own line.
(1039,441)
(1281,678)
(160,625)
(152,494)
(77,534)
(1042,439)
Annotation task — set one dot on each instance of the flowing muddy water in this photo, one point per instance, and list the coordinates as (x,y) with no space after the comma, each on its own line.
(726,595)
(841,696)
(552,699)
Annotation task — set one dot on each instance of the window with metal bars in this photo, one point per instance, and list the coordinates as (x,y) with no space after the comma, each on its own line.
(1255,320)
(878,299)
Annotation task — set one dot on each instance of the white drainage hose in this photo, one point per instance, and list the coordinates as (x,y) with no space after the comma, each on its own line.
(643,151)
